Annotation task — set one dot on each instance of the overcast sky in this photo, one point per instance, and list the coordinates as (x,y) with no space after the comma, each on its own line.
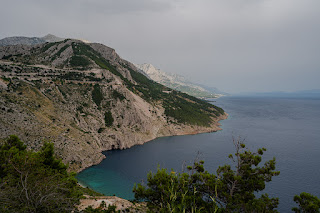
(234,45)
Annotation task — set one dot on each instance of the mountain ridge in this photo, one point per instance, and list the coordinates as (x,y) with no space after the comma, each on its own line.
(178,82)
(86,99)
(23,40)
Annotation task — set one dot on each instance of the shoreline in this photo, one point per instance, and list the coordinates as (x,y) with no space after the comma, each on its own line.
(214,128)
(121,202)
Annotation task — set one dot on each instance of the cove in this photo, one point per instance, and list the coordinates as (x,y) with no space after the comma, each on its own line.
(287,127)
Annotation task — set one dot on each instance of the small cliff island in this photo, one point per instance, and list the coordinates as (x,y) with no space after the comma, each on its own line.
(85,98)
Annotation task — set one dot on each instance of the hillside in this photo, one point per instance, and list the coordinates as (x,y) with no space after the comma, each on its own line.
(86,99)
(178,82)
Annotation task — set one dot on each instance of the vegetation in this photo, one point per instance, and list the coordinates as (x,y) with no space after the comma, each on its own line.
(62,49)
(232,189)
(79,61)
(180,106)
(39,182)
(307,203)
(48,45)
(102,209)
(108,119)
(118,95)
(34,181)
(97,95)
(78,76)
(199,191)
(81,49)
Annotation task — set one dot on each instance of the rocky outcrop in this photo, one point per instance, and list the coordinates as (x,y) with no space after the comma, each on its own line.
(122,205)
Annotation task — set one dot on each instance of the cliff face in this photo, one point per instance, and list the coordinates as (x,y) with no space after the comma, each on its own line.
(86,99)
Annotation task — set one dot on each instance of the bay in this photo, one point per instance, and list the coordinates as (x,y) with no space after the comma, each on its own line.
(287,127)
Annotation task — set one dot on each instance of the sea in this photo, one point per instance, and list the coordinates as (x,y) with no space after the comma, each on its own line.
(288,127)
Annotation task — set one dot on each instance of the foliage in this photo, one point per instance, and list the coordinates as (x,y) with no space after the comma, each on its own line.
(108,119)
(81,49)
(97,95)
(180,106)
(62,49)
(307,203)
(5,57)
(79,61)
(77,76)
(200,191)
(118,95)
(34,181)
(48,46)
(90,192)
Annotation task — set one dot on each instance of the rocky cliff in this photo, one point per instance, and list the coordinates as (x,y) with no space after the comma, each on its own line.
(86,99)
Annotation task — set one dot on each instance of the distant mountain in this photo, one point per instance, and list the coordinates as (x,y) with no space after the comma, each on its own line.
(51,38)
(178,82)
(296,94)
(214,90)
(15,40)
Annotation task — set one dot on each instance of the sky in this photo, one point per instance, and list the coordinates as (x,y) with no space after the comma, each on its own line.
(234,45)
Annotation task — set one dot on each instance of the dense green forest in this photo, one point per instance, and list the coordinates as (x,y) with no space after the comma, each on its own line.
(36,181)
(39,182)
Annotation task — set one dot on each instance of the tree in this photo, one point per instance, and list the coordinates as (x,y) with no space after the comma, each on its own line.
(108,119)
(237,187)
(307,203)
(230,190)
(34,181)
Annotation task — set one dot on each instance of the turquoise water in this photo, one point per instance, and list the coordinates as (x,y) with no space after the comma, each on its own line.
(287,127)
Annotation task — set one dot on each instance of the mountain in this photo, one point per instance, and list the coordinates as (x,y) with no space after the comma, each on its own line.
(315,93)
(86,99)
(51,38)
(29,40)
(177,82)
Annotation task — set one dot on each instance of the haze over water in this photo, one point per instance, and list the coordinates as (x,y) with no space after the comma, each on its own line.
(287,127)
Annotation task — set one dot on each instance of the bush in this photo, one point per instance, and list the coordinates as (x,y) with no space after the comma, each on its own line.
(307,203)
(199,191)
(108,119)
(79,61)
(97,95)
(34,181)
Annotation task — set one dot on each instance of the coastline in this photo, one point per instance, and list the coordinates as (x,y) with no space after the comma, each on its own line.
(121,203)
(191,130)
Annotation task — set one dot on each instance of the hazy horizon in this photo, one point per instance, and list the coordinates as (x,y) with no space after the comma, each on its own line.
(236,45)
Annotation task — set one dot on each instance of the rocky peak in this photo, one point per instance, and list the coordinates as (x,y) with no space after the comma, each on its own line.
(51,38)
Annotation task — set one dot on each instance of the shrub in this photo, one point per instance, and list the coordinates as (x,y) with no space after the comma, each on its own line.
(34,181)
(108,119)
(97,95)
(200,191)
(79,61)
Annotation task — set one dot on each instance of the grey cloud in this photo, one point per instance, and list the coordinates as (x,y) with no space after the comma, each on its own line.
(236,45)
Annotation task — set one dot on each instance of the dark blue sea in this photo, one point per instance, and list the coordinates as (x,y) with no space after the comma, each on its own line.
(288,127)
